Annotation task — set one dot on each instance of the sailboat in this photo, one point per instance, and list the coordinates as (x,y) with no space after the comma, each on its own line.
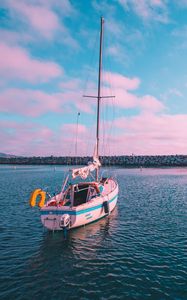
(80,202)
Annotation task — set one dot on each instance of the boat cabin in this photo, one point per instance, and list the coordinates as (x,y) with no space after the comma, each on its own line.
(81,193)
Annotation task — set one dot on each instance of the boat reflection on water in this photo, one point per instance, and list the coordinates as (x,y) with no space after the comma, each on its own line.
(80,243)
(57,261)
(98,229)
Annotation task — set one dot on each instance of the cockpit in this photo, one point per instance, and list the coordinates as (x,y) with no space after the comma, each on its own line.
(81,193)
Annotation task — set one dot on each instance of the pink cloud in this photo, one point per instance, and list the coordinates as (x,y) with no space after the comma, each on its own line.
(39,140)
(142,9)
(84,106)
(149,10)
(141,135)
(71,84)
(65,7)
(114,27)
(157,3)
(27,139)
(151,134)
(103,6)
(125,99)
(113,50)
(30,102)
(16,63)
(75,99)
(121,81)
(181,3)
(40,17)
(120,87)
(73,93)
(35,103)
(13,37)
(150,104)
(72,129)
(119,53)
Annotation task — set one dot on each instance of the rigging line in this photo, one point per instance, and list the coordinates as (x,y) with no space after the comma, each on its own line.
(108,137)
(111,87)
(90,136)
(112,122)
(113,112)
(91,61)
(103,125)
(77,127)
(109,132)
(105,106)
(104,120)
(111,129)
(111,92)
(106,128)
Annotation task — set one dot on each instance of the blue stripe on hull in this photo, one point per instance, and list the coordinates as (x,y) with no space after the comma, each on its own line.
(70,212)
(91,222)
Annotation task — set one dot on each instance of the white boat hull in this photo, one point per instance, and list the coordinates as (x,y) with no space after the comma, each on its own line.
(83,214)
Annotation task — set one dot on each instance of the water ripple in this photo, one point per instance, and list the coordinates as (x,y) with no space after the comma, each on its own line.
(139,252)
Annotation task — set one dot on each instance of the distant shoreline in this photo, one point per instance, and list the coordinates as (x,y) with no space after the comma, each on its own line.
(129,161)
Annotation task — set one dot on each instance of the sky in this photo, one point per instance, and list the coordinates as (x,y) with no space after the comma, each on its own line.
(49,59)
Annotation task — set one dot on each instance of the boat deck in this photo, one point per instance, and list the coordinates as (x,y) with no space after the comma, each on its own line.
(109,185)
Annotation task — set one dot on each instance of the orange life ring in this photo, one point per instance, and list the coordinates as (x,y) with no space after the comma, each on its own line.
(34,195)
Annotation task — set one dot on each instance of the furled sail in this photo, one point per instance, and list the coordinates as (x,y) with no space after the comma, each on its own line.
(85,171)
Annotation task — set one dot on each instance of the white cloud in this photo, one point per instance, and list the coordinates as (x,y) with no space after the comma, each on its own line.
(148,10)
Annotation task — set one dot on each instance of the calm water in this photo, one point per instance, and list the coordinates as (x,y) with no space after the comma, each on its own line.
(139,252)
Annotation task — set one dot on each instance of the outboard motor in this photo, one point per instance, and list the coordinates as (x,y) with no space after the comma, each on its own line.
(65,221)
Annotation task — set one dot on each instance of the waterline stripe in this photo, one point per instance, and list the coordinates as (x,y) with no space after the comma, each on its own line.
(70,212)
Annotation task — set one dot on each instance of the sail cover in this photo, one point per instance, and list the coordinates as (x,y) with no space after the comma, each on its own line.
(85,171)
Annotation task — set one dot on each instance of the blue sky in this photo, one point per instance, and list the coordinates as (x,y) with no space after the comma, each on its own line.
(49,59)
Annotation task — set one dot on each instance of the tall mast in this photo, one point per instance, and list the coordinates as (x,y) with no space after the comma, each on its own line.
(99,93)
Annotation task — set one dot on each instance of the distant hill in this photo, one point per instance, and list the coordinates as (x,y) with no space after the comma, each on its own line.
(6,155)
